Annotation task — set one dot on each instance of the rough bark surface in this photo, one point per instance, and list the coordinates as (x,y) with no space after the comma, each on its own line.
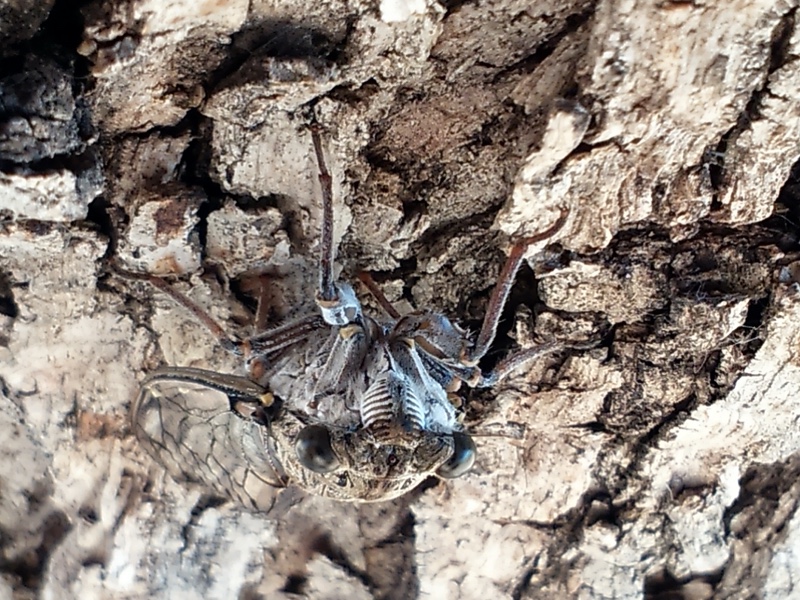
(171,138)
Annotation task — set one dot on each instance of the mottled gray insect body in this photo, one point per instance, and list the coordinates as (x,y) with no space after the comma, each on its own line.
(347,405)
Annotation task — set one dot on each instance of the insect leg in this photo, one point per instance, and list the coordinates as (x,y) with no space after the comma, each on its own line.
(512,361)
(262,308)
(326,291)
(227,342)
(337,301)
(434,332)
(260,346)
(279,338)
(376,292)
(519,358)
(346,352)
(448,374)
(503,288)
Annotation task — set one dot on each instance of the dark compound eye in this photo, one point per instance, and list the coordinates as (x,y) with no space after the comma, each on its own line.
(313,447)
(462,459)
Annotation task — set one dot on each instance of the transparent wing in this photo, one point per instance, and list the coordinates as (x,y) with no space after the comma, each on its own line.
(187,420)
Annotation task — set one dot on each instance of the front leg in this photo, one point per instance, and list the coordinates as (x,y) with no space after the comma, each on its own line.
(226,341)
(337,301)
(257,350)
(502,289)
(344,354)
(343,309)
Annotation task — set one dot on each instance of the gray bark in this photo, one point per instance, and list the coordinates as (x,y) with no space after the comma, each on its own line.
(170,137)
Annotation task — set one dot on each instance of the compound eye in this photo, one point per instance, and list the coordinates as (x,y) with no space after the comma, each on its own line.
(313,447)
(462,459)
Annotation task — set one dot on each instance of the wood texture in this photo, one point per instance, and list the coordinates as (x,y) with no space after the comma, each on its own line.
(170,137)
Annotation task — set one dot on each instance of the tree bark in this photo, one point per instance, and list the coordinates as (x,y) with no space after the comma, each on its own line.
(170,138)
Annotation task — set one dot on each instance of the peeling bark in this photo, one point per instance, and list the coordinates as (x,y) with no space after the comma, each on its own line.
(171,138)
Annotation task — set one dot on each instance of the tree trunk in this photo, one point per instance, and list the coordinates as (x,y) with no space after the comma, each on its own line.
(171,138)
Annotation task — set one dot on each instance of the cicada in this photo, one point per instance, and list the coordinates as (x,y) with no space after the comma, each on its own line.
(340,403)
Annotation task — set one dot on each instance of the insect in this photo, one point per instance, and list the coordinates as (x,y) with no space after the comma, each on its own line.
(339,403)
